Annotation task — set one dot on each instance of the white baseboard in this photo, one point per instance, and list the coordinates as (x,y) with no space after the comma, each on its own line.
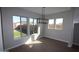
(13,47)
(57,39)
(69,45)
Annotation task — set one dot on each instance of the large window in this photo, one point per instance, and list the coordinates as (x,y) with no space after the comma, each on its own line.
(55,24)
(19,26)
(59,24)
(16,24)
(33,25)
(24,26)
(51,24)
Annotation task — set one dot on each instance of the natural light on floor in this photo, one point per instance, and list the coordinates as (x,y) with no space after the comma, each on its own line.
(30,43)
(32,39)
(34,42)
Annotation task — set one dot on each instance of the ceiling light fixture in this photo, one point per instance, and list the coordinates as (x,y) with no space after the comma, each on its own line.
(42,19)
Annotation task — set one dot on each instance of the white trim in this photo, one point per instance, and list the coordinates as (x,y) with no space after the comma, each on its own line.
(69,45)
(57,39)
(61,40)
(14,46)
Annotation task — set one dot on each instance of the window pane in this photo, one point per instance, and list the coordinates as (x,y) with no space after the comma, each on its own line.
(35,21)
(31,21)
(51,24)
(59,24)
(35,26)
(16,26)
(31,25)
(23,26)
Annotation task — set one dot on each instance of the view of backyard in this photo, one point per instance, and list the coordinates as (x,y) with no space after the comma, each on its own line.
(16,34)
(20,26)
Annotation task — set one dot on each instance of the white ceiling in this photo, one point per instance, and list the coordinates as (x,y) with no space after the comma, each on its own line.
(48,10)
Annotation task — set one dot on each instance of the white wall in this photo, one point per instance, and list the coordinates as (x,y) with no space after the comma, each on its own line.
(1,43)
(7,14)
(62,35)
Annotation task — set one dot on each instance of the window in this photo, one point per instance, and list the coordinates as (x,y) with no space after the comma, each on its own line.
(16,24)
(51,24)
(59,24)
(55,24)
(33,25)
(24,26)
(19,26)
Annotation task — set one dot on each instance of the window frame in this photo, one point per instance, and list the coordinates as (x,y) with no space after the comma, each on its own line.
(52,24)
(28,27)
(17,38)
(62,23)
(26,23)
(34,25)
(55,23)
